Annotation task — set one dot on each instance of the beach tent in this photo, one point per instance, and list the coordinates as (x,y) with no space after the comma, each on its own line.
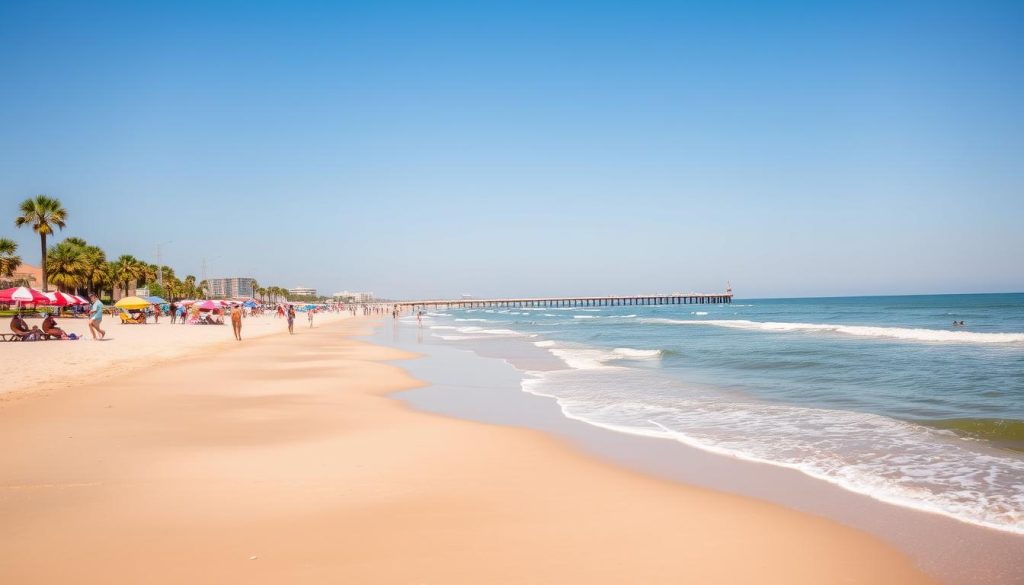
(132,303)
(23,294)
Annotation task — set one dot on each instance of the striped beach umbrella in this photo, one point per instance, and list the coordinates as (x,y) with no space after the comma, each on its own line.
(23,294)
(59,299)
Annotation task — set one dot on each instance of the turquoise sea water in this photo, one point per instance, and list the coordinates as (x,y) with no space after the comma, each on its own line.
(881,395)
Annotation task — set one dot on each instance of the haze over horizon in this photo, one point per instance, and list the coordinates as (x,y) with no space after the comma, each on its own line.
(433,149)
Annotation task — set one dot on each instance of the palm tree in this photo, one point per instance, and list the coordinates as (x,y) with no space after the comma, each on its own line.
(66,266)
(147,273)
(126,270)
(42,213)
(172,286)
(253,286)
(204,289)
(190,287)
(9,262)
(95,271)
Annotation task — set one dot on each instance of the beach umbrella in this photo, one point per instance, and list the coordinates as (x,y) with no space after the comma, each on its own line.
(208,305)
(81,301)
(186,302)
(156,301)
(132,303)
(23,294)
(249,304)
(59,299)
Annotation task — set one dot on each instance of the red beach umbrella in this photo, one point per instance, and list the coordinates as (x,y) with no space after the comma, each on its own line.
(23,294)
(59,299)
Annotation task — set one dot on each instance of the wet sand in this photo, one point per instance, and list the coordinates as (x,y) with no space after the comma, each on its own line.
(283,459)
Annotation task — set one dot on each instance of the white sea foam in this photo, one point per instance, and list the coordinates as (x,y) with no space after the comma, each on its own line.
(545,343)
(590,358)
(638,353)
(584,317)
(699,313)
(925,335)
(480,331)
(583,359)
(890,460)
(449,327)
(480,320)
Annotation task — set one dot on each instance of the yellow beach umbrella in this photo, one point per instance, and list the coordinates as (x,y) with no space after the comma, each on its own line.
(131,303)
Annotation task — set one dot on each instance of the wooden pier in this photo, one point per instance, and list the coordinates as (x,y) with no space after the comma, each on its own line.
(613,301)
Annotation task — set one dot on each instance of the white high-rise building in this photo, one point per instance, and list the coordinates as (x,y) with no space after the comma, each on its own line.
(353,297)
(229,288)
(301,291)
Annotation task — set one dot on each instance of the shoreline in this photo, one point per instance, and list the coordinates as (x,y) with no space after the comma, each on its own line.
(481,382)
(286,458)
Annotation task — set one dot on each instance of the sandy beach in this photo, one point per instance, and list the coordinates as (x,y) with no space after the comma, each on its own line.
(50,365)
(282,459)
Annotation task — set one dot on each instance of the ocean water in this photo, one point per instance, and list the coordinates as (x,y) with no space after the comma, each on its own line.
(880,395)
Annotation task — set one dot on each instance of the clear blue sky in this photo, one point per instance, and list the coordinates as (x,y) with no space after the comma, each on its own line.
(436,148)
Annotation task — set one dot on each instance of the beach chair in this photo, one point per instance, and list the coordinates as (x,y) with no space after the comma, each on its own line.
(127,319)
(9,337)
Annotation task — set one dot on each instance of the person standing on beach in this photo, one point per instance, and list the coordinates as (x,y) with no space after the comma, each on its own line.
(310,315)
(236,322)
(291,319)
(174,313)
(96,317)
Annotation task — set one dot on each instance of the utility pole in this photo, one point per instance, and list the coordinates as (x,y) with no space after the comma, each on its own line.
(160,264)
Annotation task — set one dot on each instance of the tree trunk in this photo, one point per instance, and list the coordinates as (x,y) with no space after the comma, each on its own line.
(42,245)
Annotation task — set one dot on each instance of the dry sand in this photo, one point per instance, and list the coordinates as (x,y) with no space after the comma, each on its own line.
(56,364)
(281,460)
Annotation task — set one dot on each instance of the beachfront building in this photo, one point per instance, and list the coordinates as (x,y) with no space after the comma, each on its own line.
(346,296)
(301,291)
(230,288)
(25,275)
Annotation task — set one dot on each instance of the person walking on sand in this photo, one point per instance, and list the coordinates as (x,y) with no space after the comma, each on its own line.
(291,319)
(310,317)
(236,322)
(96,317)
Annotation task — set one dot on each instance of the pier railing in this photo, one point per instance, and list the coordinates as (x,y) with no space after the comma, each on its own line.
(603,301)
